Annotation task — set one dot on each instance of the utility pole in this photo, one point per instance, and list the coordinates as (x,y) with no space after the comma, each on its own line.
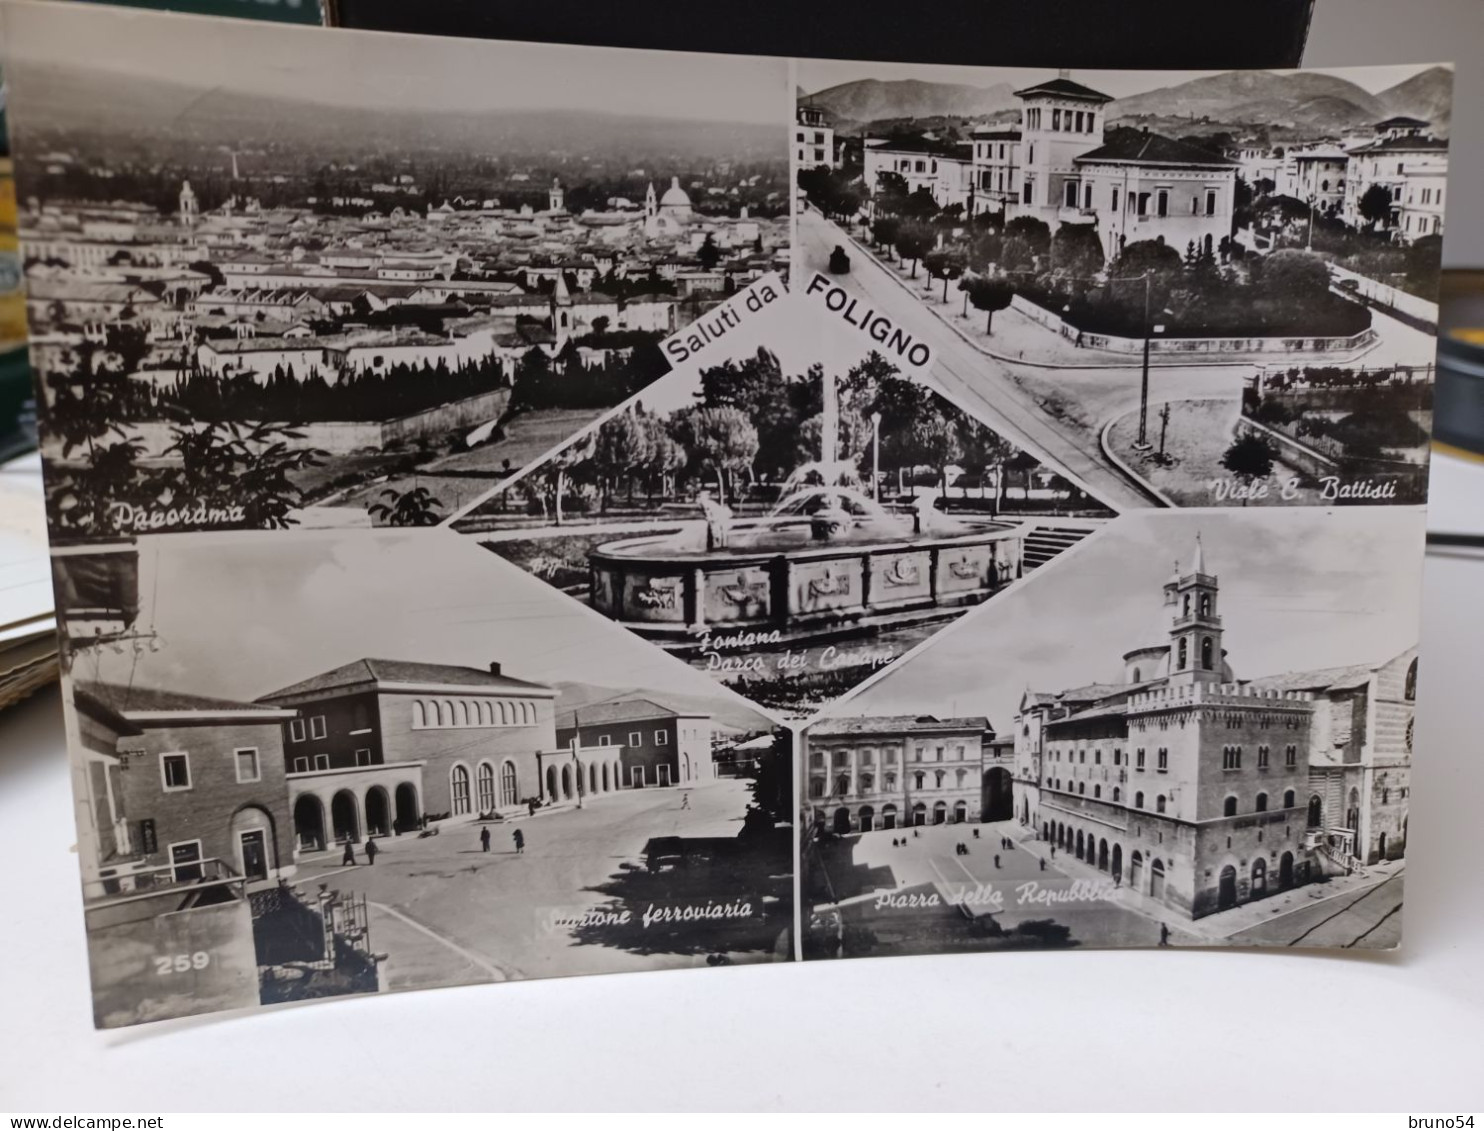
(1164,426)
(1142,443)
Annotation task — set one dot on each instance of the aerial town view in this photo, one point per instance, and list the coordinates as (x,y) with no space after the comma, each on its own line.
(1187,289)
(261,304)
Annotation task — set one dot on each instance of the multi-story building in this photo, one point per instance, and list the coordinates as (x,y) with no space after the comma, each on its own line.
(1061,167)
(814,138)
(996,167)
(888,772)
(190,783)
(1141,186)
(1317,176)
(377,745)
(1060,121)
(655,745)
(1412,166)
(1203,791)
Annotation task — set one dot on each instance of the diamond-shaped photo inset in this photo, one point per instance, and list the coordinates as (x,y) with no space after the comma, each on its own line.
(790,519)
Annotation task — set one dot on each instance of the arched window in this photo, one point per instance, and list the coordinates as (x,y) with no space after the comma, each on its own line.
(450,716)
(1097,791)
(486,782)
(1205,604)
(528,713)
(437,713)
(509,787)
(1117,793)
(1229,807)
(1139,800)
(1288,798)
(1159,803)
(1410,691)
(419,714)
(1185,607)
(1081,787)
(463,712)
(1184,655)
(1262,803)
(504,713)
(458,779)
(1207,653)
(1316,811)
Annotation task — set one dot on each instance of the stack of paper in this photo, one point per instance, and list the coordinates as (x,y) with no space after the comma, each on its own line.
(28,643)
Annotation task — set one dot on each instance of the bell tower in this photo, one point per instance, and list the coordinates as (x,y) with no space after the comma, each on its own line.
(1195,630)
(556,196)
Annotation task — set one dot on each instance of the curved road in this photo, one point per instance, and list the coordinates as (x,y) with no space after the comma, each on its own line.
(1057,414)
(982,385)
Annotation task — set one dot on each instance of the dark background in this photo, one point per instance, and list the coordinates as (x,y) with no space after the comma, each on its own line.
(1144,34)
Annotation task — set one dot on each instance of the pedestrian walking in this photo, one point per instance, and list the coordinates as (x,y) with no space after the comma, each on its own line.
(371,850)
(1053,852)
(1042,861)
(349,856)
(520,841)
(685,800)
(997,860)
(484,838)
(1164,934)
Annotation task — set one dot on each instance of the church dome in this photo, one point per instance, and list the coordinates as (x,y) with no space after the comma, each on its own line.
(675,197)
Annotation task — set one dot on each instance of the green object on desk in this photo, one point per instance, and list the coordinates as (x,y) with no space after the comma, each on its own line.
(283,11)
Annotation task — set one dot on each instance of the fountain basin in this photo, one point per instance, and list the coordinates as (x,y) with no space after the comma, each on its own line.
(675,596)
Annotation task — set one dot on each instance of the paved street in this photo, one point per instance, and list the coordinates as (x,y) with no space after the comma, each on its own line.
(876,884)
(885,890)
(446,913)
(1059,410)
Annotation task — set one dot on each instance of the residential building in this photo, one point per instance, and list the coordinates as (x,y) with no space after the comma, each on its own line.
(996,168)
(814,138)
(1060,120)
(1406,160)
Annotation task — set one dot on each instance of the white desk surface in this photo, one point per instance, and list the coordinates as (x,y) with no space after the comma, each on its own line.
(1093,1030)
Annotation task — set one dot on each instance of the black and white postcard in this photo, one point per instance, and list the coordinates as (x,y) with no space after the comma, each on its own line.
(522,510)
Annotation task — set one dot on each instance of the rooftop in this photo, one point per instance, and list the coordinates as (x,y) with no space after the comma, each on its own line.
(900,724)
(621,711)
(1142,148)
(141,704)
(402,674)
(1064,88)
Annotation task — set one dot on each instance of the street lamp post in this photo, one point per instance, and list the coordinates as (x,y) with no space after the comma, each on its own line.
(1142,443)
(875,457)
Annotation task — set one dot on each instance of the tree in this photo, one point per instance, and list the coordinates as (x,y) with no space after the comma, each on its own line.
(415,507)
(708,254)
(944,264)
(717,441)
(1295,276)
(1026,240)
(1375,205)
(1076,250)
(1249,458)
(623,448)
(984,450)
(920,205)
(884,230)
(561,466)
(913,240)
(988,295)
(600,325)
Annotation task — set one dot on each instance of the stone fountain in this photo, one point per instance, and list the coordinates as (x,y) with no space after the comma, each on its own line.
(827,561)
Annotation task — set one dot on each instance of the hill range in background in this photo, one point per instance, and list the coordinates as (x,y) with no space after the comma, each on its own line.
(1300,102)
(173,115)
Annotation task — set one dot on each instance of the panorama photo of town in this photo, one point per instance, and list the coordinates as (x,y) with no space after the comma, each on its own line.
(344,293)
(1188,289)
(414,766)
(1214,749)
(791,514)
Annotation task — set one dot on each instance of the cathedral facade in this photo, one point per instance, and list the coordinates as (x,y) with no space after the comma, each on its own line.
(1203,791)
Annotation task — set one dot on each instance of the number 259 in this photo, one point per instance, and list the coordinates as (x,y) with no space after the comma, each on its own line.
(181,963)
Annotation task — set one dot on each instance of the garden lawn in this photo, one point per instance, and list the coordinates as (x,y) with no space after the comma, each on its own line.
(1199,433)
